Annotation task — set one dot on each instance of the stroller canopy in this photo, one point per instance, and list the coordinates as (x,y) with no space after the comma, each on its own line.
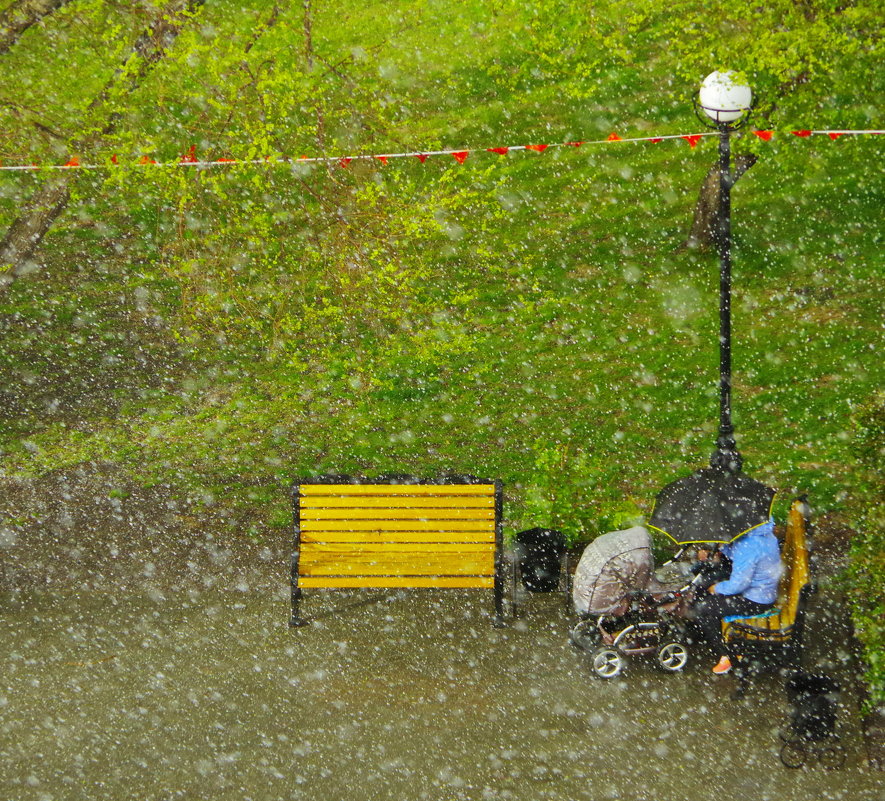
(610,567)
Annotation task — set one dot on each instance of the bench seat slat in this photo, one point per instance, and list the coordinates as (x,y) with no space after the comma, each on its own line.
(398,525)
(345,490)
(376,537)
(776,625)
(343,582)
(397,514)
(470,565)
(768,623)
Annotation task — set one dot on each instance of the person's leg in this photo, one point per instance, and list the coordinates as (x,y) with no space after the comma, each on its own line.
(712,608)
(710,611)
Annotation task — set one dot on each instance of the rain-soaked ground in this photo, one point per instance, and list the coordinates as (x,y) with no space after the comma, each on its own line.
(388,695)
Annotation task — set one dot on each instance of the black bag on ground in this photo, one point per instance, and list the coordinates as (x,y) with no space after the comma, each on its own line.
(539,558)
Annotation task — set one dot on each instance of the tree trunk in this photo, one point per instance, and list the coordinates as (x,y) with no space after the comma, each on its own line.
(26,233)
(309,56)
(704,227)
(30,227)
(20,16)
(308,35)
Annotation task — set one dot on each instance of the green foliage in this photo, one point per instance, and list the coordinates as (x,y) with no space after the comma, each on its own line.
(798,56)
(866,571)
(575,493)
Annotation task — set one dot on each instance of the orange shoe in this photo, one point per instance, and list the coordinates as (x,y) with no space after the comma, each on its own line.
(722,666)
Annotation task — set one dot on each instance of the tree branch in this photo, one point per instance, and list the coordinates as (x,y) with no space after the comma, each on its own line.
(19,111)
(20,16)
(27,231)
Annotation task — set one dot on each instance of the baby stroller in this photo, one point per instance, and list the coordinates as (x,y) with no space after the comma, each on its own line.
(624,609)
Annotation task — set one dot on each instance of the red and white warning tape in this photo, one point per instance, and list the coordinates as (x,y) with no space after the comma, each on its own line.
(189,159)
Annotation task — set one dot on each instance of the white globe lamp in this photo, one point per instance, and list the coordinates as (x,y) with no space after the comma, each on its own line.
(723,98)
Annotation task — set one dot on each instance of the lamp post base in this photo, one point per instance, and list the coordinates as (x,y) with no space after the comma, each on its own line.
(726,458)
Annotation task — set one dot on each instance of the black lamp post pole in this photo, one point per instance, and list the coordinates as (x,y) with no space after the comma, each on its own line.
(726,455)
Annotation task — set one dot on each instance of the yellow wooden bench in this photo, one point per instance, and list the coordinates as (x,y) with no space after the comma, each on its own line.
(781,629)
(397,533)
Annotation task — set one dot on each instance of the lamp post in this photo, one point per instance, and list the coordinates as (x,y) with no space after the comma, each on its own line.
(725,103)
(718,503)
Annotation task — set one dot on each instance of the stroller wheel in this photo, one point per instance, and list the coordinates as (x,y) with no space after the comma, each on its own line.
(607,662)
(831,757)
(793,754)
(672,656)
(585,635)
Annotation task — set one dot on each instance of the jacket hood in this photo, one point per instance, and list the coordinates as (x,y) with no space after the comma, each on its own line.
(762,530)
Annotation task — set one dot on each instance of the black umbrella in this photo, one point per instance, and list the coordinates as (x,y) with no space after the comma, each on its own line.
(711,505)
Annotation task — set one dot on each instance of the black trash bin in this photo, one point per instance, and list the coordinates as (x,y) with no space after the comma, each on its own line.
(539,554)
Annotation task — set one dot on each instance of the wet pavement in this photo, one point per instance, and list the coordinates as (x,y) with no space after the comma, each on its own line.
(207,694)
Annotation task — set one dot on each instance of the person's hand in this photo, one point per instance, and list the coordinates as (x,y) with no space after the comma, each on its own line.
(703,554)
(711,589)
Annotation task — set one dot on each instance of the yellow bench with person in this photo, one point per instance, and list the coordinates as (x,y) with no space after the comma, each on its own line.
(777,635)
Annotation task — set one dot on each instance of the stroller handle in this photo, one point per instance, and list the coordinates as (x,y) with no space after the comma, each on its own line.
(675,595)
(676,556)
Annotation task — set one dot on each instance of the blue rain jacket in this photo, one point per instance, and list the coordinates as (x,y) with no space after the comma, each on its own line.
(755,565)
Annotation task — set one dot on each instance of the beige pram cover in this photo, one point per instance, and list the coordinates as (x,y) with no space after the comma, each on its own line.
(610,567)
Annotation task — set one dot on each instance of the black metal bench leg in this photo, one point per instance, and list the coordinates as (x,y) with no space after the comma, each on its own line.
(740,673)
(500,562)
(499,621)
(296,621)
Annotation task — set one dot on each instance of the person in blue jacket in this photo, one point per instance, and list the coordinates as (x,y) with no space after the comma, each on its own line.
(750,590)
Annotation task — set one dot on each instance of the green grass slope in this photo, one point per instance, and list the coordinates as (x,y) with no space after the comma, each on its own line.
(533,316)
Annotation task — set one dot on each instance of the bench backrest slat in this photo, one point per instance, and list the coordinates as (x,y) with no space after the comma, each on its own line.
(796,568)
